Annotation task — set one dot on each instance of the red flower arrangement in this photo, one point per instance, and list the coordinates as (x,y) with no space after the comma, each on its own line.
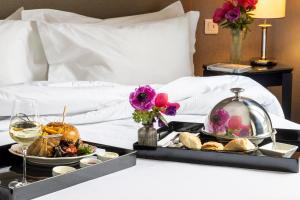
(235,14)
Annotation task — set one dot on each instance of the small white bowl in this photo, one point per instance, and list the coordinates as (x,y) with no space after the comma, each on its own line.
(107,156)
(100,151)
(60,170)
(86,162)
(281,149)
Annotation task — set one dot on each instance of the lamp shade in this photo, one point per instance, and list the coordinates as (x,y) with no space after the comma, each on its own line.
(268,9)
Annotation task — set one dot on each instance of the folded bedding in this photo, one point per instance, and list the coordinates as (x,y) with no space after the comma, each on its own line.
(155,47)
(59,16)
(22,57)
(135,54)
(92,102)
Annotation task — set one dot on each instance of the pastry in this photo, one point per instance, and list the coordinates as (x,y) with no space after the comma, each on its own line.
(190,141)
(239,144)
(213,146)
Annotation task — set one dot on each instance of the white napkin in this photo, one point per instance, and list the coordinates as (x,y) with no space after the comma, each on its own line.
(165,141)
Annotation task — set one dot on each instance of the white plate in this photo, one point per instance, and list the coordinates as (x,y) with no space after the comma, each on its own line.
(45,161)
(281,149)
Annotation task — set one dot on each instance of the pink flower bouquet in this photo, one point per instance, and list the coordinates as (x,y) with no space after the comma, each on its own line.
(235,14)
(150,107)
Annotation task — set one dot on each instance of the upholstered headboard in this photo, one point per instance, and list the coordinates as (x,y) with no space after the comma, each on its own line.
(93,8)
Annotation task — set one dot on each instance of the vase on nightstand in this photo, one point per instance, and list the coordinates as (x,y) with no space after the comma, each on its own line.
(147,136)
(237,37)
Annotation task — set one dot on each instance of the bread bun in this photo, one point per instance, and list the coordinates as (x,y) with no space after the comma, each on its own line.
(239,144)
(69,132)
(212,146)
(190,141)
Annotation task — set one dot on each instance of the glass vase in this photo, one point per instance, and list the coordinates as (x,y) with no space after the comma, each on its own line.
(147,136)
(237,37)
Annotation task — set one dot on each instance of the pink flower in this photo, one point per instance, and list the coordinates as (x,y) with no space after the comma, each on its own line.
(161,100)
(219,15)
(219,121)
(235,122)
(220,117)
(142,98)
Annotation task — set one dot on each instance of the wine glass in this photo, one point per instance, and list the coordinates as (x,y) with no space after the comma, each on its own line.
(24,128)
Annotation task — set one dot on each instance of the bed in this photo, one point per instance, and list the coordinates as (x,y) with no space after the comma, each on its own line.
(102,113)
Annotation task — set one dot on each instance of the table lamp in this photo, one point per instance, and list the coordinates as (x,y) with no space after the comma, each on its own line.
(267,9)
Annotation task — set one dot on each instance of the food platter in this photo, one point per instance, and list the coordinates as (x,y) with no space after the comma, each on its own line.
(47,161)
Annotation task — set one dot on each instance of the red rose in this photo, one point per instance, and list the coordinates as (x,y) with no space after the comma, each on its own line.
(227,6)
(248,4)
(219,15)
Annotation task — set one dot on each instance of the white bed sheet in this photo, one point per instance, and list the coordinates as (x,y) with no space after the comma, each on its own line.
(172,180)
(164,180)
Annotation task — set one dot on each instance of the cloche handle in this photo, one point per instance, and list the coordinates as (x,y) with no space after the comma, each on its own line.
(237,92)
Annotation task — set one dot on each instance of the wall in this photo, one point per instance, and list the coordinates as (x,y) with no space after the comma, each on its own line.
(286,48)
(284,43)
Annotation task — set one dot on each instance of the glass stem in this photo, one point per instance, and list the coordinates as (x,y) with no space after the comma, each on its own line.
(24,181)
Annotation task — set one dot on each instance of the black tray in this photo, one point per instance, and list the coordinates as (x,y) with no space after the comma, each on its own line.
(254,160)
(42,181)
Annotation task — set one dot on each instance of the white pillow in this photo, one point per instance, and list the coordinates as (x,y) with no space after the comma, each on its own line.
(151,52)
(17,15)
(58,16)
(20,60)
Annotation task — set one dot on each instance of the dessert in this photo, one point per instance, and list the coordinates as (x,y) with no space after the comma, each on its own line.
(190,141)
(239,144)
(212,146)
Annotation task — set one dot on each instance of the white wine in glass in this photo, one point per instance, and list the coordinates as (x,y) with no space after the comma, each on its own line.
(24,129)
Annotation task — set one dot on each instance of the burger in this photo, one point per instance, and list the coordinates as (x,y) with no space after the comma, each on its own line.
(69,132)
(58,139)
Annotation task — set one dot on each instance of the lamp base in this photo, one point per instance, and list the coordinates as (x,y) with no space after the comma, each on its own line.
(263,62)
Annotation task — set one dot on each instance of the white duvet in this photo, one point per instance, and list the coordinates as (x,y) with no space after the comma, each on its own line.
(92,102)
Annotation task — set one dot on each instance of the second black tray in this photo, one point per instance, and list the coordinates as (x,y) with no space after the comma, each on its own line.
(255,160)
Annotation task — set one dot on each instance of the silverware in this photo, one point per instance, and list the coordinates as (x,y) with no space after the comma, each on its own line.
(171,141)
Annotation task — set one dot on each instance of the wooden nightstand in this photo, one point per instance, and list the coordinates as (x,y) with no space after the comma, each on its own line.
(280,75)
